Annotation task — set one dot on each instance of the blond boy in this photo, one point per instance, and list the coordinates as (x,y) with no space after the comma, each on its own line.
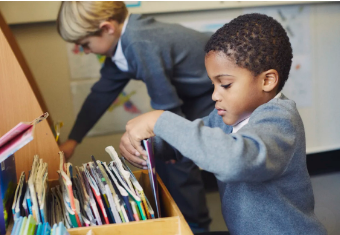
(169,58)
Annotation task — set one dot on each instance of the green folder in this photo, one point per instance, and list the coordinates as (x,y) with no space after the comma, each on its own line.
(23,225)
(31,225)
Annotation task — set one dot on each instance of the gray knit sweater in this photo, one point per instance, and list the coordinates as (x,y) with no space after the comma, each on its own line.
(261,170)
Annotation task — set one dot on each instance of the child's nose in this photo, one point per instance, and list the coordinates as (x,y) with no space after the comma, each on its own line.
(215,96)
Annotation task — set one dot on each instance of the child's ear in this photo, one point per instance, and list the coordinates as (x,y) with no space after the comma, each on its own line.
(270,80)
(108,26)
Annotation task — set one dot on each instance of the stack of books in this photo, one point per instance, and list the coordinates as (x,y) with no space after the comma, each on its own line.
(95,193)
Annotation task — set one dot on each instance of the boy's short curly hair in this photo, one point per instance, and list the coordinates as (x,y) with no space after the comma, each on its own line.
(79,19)
(256,42)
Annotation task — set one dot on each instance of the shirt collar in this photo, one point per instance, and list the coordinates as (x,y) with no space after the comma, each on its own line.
(241,124)
(125,24)
(118,55)
(278,95)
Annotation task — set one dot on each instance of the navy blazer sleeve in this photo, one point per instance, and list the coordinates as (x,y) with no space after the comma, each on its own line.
(103,93)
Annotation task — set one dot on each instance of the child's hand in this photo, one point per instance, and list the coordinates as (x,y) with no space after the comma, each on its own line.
(141,128)
(130,153)
(68,148)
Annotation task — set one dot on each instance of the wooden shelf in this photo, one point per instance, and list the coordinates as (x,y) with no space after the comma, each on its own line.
(19,103)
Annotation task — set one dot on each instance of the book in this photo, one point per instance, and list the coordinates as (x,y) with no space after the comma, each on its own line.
(66,183)
(18,137)
(17,210)
(152,173)
(8,181)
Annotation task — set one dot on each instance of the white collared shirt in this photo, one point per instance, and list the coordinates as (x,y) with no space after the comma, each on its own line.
(238,126)
(118,58)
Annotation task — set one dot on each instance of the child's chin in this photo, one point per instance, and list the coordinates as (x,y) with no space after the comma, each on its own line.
(230,121)
(226,121)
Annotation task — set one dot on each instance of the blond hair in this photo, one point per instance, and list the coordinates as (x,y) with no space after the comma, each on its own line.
(77,20)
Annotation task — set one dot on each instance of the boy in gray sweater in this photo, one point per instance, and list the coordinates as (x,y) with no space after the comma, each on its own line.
(254,140)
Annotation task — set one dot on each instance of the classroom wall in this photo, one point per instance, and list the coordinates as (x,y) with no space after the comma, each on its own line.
(18,12)
(46,55)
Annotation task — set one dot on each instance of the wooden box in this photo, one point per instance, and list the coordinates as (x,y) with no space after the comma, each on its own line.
(172,221)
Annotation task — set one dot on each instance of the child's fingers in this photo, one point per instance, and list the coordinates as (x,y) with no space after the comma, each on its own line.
(125,143)
(138,146)
(136,161)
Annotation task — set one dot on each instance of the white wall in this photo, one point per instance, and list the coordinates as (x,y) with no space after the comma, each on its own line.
(46,55)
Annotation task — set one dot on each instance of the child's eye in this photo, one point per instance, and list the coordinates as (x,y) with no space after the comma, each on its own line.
(226,86)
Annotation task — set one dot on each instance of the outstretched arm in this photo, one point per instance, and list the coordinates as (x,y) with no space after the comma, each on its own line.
(103,93)
(259,151)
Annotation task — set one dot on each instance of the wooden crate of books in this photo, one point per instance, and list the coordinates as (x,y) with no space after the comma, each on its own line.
(172,221)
